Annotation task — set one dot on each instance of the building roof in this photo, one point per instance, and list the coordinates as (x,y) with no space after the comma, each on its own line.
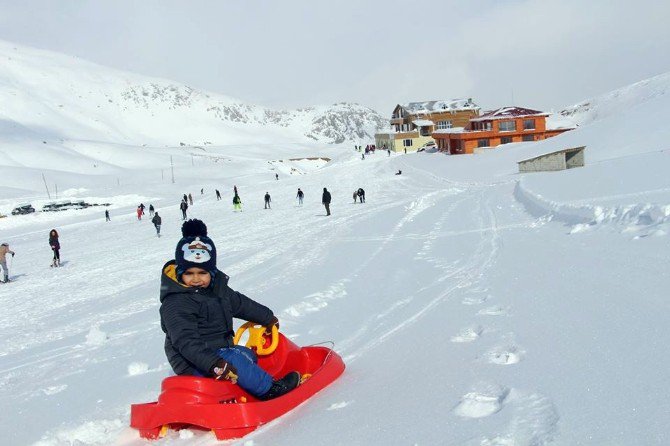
(440,106)
(509,112)
(422,122)
(451,130)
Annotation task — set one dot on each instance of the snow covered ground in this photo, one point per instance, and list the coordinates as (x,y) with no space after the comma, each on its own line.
(472,305)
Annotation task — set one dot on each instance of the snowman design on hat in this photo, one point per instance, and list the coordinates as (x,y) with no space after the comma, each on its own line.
(197,251)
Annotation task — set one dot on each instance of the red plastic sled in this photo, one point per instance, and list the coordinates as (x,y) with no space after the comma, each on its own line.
(226,408)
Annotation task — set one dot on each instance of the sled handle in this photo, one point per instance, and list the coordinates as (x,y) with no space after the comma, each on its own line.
(257,338)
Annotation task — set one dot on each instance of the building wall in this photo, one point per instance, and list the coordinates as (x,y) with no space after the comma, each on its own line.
(554,161)
(470,139)
(394,141)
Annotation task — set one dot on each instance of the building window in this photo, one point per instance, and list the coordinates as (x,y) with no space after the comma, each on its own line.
(407,142)
(529,124)
(505,139)
(528,138)
(444,125)
(507,126)
(483,143)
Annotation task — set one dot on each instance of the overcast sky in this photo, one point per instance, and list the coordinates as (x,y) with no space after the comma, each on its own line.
(543,54)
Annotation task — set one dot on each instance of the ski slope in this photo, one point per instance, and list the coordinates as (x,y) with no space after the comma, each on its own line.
(463,317)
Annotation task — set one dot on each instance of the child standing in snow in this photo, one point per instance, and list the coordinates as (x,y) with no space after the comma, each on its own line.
(197,310)
(157,221)
(55,247)
(237,203)
(4,250)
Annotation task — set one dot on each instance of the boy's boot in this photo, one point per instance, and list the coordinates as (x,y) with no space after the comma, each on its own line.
(282,386)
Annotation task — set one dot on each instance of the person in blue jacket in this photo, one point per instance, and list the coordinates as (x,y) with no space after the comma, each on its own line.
(197,310)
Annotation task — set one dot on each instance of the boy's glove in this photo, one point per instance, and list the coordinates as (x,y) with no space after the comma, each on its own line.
(224,370)
(13,254)
(274,322)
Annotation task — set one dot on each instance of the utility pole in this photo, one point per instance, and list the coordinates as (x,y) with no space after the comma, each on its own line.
(162,177)
(56,186)
(172,168)
(45,185)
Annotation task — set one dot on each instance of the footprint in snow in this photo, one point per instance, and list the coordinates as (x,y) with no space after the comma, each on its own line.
(482,403)
(495,310)
(468,334)
(475,300)
(339,405)
(505,355)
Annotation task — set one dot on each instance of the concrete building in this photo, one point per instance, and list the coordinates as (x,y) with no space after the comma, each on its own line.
(413,124)
(559,160)
(501,126)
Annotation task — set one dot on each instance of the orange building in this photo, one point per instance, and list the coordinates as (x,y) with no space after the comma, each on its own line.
(501,126)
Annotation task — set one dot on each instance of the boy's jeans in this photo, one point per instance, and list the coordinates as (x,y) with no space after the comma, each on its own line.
(251,378)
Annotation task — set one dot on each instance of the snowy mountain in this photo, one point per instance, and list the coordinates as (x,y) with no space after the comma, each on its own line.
(50,96)
(471,304)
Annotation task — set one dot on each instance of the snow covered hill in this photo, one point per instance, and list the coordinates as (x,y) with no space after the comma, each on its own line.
(619,100)
(472,305)
(54,97)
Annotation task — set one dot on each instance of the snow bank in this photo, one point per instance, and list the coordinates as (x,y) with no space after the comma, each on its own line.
(641,214)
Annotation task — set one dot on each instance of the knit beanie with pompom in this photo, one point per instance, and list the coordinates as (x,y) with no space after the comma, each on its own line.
(195,249)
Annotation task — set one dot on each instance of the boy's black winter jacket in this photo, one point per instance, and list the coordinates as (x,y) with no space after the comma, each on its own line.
(199,321)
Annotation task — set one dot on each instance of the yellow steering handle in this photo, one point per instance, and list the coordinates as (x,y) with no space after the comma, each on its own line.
(257,338)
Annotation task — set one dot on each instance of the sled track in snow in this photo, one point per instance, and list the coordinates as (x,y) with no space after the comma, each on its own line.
(465,276)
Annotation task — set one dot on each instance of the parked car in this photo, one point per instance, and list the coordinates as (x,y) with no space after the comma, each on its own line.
(428,145)
(23,209)
(50,207)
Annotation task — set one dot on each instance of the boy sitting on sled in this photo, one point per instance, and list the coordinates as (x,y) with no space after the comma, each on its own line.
(197,310)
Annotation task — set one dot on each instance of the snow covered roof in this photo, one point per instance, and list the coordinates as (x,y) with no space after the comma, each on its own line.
(422,122)
(451,130)
(440,106)
(509,112)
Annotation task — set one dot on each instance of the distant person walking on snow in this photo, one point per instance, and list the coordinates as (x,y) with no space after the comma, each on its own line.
(4,250)
(237,203)
(185,198)
(218,195)
(235,189)
(107,215)
(325,200)
(190,199)
(142,207)
(202,191)
(139,213)
(183,206)
(300,196)
(55,247)
(151,210)
(267,201)
(361,195)
(355,195)
(277,176)
(157,221)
